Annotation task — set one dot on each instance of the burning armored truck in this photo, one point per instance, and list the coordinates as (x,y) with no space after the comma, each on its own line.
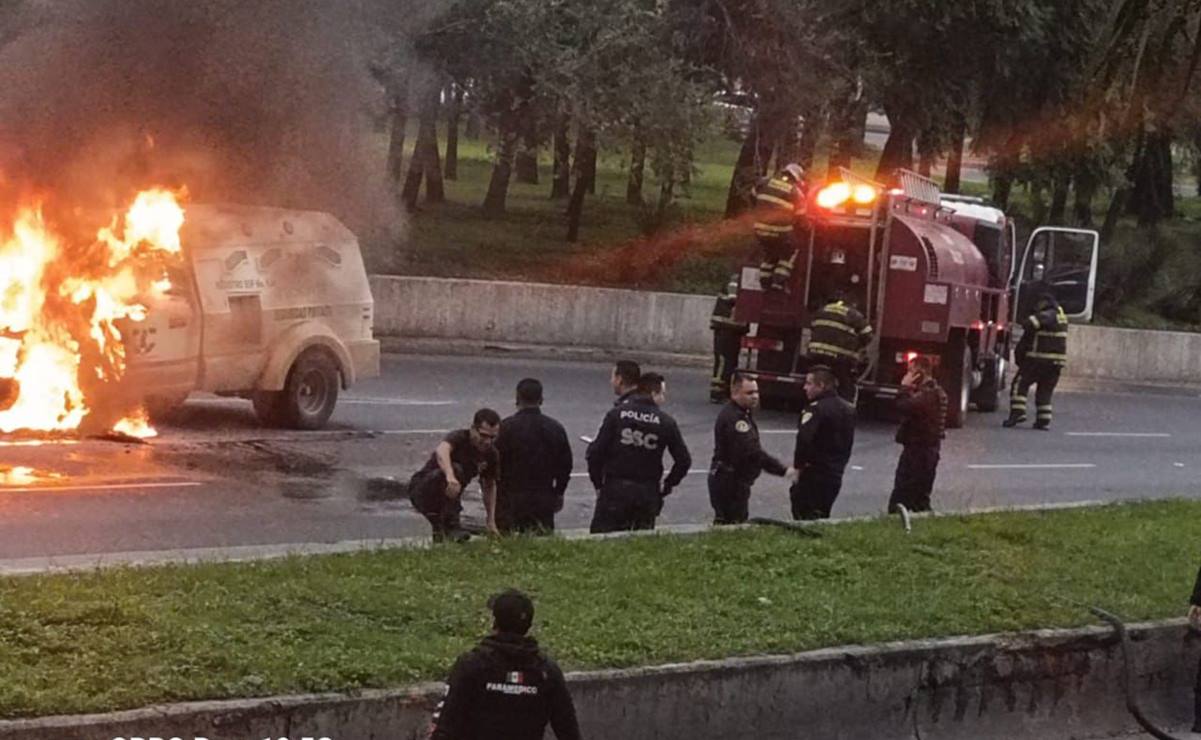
(263,303)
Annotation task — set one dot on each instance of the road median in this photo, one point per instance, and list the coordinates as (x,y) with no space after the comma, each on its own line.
(128,638)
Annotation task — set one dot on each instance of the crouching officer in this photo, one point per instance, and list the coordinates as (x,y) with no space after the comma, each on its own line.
(437,488)
(738,458)
(506,688)
(825,436)
(838,335)
(626,460)
(1041,355)
(727,342)
(923,410)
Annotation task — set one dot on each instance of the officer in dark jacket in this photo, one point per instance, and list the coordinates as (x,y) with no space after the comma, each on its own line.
(506,688)
(626,461)
(437,488)
(535,465)
(1041,355)
(727,341)
(825,436)
(923,409)
(838,335)
(1194,618)
(738,458)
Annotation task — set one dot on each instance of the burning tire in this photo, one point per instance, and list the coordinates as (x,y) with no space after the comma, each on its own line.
(308,397)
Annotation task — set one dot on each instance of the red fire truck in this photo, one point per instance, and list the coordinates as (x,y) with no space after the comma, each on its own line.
(936,275)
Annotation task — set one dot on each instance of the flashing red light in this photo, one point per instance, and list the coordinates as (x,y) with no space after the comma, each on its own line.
(834,195)
(977,324)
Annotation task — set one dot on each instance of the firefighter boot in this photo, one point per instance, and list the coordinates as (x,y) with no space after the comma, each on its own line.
(1197,712)
(1042,426)
(1014,420)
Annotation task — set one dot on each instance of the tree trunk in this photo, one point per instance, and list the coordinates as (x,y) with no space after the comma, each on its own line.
(815,124)
(502,171)
(1059,200)
(473,126)
(925,164)
(1085,189)
(585,173)
(453,116)
(591,164)
(756,149)
(955,159)
(399,121)
(1038,206)
(1152,199)
(1117,205)
(637,169)
(897,154)
(788,150)
(527,155)
(1002,188)
(561,184)
(426,162)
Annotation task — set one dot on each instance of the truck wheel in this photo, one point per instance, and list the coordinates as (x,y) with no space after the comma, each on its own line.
(311,392)
(957,380)
(988,396)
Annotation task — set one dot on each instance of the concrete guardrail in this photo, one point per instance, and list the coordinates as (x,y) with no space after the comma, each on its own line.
(1060,683)
(581,316)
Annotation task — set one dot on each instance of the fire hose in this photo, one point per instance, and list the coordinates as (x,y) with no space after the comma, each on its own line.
(1128,675)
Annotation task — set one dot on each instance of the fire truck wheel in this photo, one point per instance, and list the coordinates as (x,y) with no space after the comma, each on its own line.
(958,385)
(311,392)
(988,396)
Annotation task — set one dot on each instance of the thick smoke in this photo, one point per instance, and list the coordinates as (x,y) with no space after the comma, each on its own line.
(251,101)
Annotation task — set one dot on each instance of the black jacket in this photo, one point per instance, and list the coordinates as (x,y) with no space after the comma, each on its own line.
(825,435)
(1196,598)
(736,447)
(505,689)
(535,456)
(631,442)
(923,413)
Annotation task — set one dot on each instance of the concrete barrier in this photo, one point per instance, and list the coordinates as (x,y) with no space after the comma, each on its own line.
(580,316)
(1059,683)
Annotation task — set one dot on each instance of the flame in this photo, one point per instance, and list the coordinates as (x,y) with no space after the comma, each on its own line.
(136,425)
(59,306)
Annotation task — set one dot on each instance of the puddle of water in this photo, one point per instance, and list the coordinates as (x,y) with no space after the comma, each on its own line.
(306,490)
(383,489)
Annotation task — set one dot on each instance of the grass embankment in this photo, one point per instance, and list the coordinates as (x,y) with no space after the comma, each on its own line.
(112,639)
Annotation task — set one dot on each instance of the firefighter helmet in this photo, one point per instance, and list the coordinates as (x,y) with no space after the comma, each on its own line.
(794,172)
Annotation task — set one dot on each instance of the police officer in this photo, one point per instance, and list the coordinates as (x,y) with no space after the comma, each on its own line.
(626,463)
(727,341)
(535,465)
(825,435)
(838,335)
(1041,355)
(923,409)
(738,458)
(437,488)
(506,688)
(778,202)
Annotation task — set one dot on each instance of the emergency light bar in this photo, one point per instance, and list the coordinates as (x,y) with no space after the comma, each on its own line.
(849,189)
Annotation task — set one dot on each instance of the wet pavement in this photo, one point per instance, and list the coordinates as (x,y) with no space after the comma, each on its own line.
(215,478)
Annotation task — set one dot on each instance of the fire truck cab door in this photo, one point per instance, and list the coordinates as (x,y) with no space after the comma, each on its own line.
(1063,262)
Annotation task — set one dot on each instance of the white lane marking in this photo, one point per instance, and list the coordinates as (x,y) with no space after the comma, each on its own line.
(412,431)
(856,467)
(102,487)
(1034,466)
(1179,465)
(694,471)
(367,401)
(1117,434)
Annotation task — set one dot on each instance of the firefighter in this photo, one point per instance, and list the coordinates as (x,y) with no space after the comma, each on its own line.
(626,461)
(535,465)
(778,203)
(923,410)
(825,436)
(1041,355)
(727,342)
(838,336)
(738,458)
(506,688)
(437,488)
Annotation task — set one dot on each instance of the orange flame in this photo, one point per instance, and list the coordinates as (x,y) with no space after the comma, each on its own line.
(58,306)
(136,425)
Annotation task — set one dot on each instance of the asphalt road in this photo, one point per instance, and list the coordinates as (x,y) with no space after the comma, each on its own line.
(214,478)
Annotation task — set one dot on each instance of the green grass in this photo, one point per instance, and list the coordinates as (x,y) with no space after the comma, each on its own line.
(113,639)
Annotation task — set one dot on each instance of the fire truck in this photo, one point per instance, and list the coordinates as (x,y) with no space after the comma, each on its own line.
(935,275)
